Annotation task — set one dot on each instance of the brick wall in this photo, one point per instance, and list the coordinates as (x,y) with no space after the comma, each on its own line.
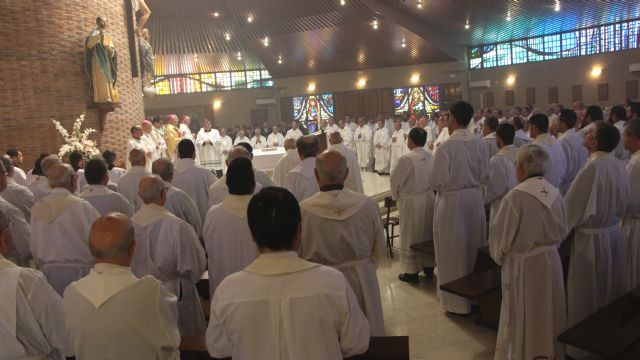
(42,74)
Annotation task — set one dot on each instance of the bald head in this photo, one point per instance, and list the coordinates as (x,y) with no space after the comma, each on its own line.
(331,168)
(151,190)
(163,167)
(112,239)
(335,138)
(137,158)
(236,153)
(48,162)
(290,144)
(62,176)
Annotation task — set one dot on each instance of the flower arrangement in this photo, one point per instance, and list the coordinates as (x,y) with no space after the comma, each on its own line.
(78,140)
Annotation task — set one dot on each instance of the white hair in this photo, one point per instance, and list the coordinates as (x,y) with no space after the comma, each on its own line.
(63,179)
(48,162)
(152,192)
(534,160)
(237,152)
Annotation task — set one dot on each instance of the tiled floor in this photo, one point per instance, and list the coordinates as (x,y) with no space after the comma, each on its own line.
(414,310)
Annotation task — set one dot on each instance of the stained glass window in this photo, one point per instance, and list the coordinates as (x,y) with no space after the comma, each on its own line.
(489,56)
(519,51)
(416,100)
(196,83)
(475,58)
(536,49)
(552,47)
(503,54)
(253,79)
(162,87)
(223,80)
(589,41)
(208,81)
(634,34)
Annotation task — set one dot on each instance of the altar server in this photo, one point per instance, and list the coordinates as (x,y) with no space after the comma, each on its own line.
(539,129)
(381,151)
(31,312)
(398,144)
(168,249)
(523,239)
(596,203)
(301,181)
(342,229)
(311,309)
(226,234)
(503,168)
(60,224)
(128,184)
(97,194)
(286,163)
(575,153)
(192,178)
(113,314)
(363,138)
(354,176)
(461,166)
(209,145)
(409,186)
(631,221)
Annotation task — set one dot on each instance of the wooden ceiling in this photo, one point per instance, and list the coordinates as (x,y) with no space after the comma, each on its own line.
(318,36)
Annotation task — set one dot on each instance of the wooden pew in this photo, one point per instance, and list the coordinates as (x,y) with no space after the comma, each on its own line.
(380,348)
(613,332)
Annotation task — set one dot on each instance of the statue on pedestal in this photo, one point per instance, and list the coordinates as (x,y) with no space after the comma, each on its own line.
(101,63)
(146,58)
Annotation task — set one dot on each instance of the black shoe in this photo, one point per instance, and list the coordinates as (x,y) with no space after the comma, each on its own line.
(428,272)
(410,278)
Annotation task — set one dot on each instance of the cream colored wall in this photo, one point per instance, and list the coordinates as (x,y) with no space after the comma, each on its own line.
(561,73)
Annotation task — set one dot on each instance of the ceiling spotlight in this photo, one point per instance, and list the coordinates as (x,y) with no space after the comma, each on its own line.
(343,2)
(217,104)
(415,78)
(596,71)
(227,36)
(404,43)
(419,4)
(311,87)
(374,24)
(265,42)
(279,59)
(557,7)
(362,82)
(511,80)
(509,15)
(466,25)
(195,57)
(239,55)
(249,18)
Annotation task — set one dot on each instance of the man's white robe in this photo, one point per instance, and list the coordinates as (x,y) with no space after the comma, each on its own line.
(138,144)
(620,152)
(242,139)
(40,188)
(130,317)
(209,148)
(19,176)
(301,180)
(107,201)
(432,133)
(442,137)
(596,203)
(285,164)
(226,145)
(147,139)
(182,206)
(491,144)
(195,181)
(128,185)
(157,136)
(60,225)
(364,145)
(575,154)
(19,196)
(227,239)
(381,154)
(523,240)
(354,176)
(631,225)
(116,173)
(168,249)
(557,167)
(259,142)
(353,126)
(461,166)
(275,140)
(521,138)
(273,307)
(503,178)
(31,315)
(347,138)
(342,229)
(293,134)
(20,234)
(185,132)
(398,148)
(410,187)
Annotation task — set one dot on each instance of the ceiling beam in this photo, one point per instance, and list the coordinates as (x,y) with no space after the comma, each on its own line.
(431,34)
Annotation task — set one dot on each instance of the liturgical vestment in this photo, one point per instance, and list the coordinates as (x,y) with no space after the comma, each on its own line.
(631,225)
(195,181)
(301,180)
(354,177)
(285,164)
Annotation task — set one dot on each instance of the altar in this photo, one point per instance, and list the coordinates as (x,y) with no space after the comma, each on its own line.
(267,158)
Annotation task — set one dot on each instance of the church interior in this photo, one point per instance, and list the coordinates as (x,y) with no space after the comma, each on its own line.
(320,179)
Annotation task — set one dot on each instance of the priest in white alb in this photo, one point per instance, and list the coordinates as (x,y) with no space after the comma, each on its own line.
(128,183)
(148,139)
(301,181)
(241,138)
(209,146)
(258,141)
(16,194)
(135,142)
(411,189)
(503,168)
(347,135)
(539,129)
(489,135)
(286,163)
(31,312)
(596,203)
(354,177)
(293,133)
(178,202)
(363,138)
(631,221)
(168,249)
(226,234)
(40,187)
(275,139)
(575,153)
(20,230)
(226,144)
(524,238)
(97,194)
(460,168)
(342,229)
(113,314)
(312,307)
(192,178)
(60,224)
(381,150)
(398,145)
(17,160)
(521,137)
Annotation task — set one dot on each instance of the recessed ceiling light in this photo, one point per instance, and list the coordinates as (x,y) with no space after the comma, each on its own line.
(466,25)
(419,4)
(343,2)
(227,36)
(509,15)
(279,59)
(265,42)
(239,55)
(557,7)
(249,18)
(404,43)
(374,24)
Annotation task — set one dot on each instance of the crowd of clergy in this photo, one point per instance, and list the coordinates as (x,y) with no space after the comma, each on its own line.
(99,261)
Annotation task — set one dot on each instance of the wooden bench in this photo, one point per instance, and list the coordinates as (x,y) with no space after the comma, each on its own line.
(613,332)
(380,348)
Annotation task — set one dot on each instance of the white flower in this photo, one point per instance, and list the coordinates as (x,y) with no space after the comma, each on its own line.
(78,140)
